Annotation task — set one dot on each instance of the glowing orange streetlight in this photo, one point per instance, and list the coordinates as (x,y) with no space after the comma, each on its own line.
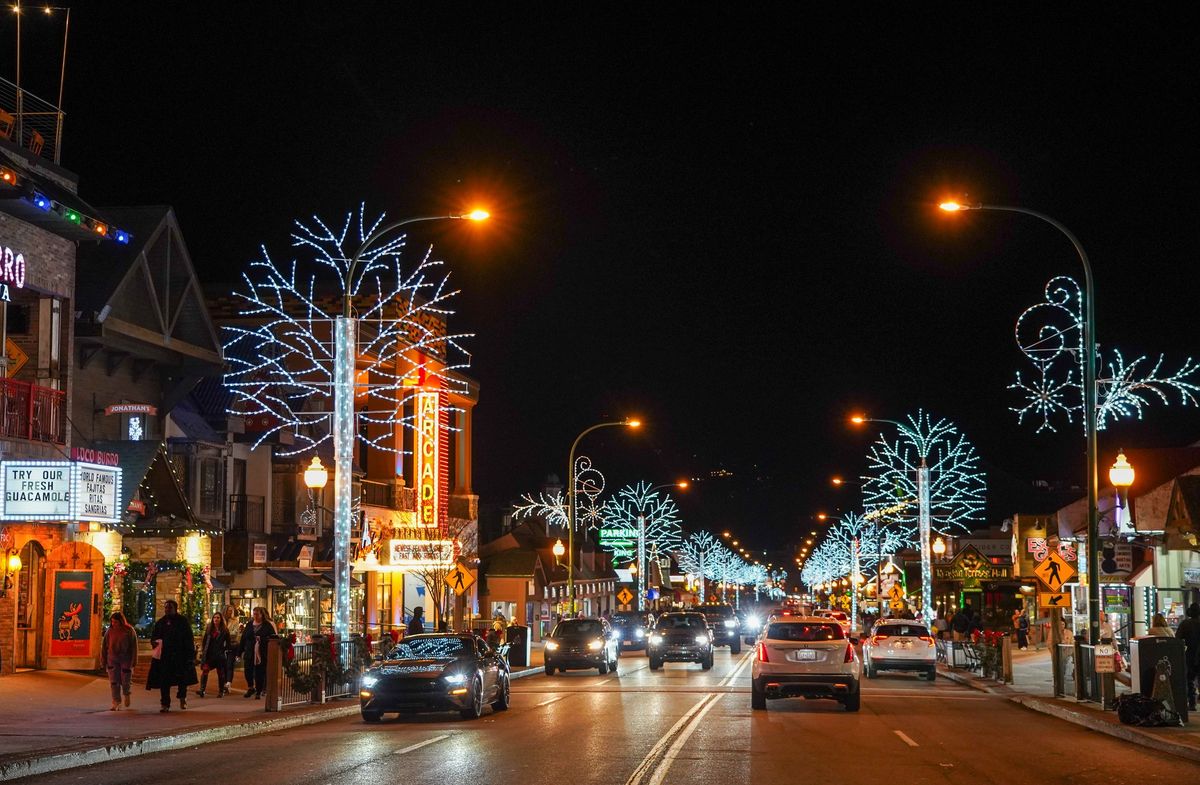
(837,481)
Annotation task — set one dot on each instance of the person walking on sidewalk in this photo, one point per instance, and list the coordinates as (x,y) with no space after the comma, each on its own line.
(174,663)
(233,623)
(118,652)
(1021,625)
(1189,632)
(255,635)
(214,651)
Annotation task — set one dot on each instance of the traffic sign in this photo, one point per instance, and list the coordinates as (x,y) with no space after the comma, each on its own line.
(16,357)
(1105,659)
(624,596)
(1054,571)
(896,592)
(1053,599)
(460,579)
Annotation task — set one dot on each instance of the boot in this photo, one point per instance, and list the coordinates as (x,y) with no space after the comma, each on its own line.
(127,700)
(203,684)
(116,705)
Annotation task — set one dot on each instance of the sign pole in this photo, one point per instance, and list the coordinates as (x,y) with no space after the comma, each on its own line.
(926,547)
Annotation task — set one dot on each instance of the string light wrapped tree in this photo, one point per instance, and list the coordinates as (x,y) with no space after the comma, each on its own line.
(343,321)
(696,554)
(927,478)
(650,515)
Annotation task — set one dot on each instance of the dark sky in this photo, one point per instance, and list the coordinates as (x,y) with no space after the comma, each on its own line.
(719,220)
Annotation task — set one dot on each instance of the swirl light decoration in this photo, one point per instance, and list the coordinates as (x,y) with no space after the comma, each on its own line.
(589,484)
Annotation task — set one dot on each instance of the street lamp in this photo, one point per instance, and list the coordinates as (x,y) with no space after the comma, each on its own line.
(1089,402)
(571,503)
(939,547)
(316,475)
(558,550)
(345,359)
(1121,477)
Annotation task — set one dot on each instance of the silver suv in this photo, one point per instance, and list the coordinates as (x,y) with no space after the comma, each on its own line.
(805,657)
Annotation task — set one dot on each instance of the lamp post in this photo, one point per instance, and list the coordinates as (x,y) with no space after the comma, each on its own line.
(1121,477)
(345,356)
(1089,402)
(571,505)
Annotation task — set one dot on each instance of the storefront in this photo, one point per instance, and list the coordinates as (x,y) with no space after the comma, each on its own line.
(986,585)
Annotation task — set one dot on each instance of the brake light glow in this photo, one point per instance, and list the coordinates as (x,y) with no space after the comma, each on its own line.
(849,653)
(761,653)
(928,639)
(877,638)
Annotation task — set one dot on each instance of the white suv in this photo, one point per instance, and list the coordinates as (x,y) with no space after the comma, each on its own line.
(805,657)
(838,616)
(900,645)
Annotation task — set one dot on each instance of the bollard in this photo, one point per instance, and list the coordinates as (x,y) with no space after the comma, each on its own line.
(1006,664)
(274,694)
(1080,688)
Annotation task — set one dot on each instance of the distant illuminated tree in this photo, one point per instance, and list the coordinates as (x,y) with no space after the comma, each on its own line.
(638,508)
(696,554)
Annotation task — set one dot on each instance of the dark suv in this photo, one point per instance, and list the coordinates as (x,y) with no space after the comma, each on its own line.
(680,637)
(630,627)
(725,626)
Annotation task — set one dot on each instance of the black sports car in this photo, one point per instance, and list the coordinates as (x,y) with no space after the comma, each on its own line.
(438,672)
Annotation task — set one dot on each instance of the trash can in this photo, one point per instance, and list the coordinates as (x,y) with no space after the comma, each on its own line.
(1150,656)
(517,638)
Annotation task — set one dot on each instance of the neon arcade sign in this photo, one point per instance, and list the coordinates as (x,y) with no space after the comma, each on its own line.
(428,458)
(12,271)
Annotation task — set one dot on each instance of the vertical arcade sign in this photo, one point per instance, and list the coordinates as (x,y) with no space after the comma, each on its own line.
(71,635)
(428,455)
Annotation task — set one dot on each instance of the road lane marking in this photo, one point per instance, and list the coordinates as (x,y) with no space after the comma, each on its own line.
(639,774)
(421,744)
(602,681)
(904,738)
(737,669)
(664,765)
(552,700)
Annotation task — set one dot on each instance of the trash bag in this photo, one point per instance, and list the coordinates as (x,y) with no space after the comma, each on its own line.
(1144,711)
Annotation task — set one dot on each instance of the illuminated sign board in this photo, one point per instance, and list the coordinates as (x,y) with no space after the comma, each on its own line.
(59,491)
(620,541)
(427,448)
(12,271)
(420,553)
(95,491)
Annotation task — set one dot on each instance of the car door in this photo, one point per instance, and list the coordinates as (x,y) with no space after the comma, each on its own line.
(489,662)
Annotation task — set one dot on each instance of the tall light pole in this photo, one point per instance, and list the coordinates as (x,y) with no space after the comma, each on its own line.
(345,356)
(1089,402)
(571,504)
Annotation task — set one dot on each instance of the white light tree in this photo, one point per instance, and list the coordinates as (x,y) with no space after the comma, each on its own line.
(639,522)
(695,556)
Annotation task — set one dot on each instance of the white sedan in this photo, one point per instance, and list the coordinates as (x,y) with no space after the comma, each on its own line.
(805,657)
(900,645)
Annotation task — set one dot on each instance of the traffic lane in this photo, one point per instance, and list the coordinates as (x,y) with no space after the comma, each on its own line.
(635,672)
(592,737)
(935,734)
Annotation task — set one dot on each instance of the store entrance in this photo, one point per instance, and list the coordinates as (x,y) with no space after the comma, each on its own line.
(30,596)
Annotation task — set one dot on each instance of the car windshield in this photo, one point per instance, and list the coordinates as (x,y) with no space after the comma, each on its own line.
(578,628)
(687,621)
(716,612)
(792,631)
(438,648)
(628,619)
(903,630)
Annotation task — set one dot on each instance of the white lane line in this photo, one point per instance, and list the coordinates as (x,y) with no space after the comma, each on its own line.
(552,700)
(602,681)
(421,744)
(664,765)
(737,670)
(904,738)
(640,772)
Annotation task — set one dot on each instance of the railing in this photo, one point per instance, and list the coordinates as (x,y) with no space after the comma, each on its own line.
(991,660)
(29,121)
(32,412)
(388,494)
(296,673)
(246,513)
(1075,671)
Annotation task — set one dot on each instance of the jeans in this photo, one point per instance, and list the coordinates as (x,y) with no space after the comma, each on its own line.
(220,669)
(120,680)
(256,675)
(165,694)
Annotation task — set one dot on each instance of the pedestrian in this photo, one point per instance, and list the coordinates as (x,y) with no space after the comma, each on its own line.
(975,623)
(940,625)
(416,625)
(119,653)
(255,635)
(174,663)
(1188,631)
(233,623)
(214,655)
(1021,625)
(1159,627)
(960,624)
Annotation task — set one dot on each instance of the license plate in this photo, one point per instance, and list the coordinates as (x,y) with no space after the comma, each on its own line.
(804,655)
(628,642)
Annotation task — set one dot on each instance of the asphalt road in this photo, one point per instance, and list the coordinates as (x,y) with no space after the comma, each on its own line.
(679,725)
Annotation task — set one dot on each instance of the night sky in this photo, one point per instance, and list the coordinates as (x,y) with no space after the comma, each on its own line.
(720,221)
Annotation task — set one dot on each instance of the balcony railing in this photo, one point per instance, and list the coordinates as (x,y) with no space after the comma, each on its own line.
(389,494)
(31,412)
(29,121)
(246,513)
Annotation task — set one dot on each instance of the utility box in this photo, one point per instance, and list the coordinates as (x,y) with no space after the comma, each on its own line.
(517,638)
(1150,657)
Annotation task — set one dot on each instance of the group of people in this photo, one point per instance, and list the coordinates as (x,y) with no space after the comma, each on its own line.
(961,625)
(175,655)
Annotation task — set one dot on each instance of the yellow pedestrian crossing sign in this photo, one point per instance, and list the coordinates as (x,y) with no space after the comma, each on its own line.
(460,579)
(896,592)
(624,596)
(1054,571)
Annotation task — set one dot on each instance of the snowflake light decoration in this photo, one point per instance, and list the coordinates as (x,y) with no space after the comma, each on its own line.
(622,514)
(281,353)
(956,483)
(1050,335)
(552,507)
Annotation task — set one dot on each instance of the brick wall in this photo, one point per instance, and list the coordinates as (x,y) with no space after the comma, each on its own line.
(49,536)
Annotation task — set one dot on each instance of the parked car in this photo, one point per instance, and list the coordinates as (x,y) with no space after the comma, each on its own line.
(581,644)
(631,628)
(681,637)
(436,672)
(900,645)
(724,623)
(805,657)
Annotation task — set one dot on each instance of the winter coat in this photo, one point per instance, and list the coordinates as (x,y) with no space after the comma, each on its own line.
(250,639)
(416,625)
(177,665)
(1189,632)
(213,648)
(120,648)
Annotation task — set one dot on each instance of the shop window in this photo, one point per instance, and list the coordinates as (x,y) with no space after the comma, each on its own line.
(210,487)
(383,602)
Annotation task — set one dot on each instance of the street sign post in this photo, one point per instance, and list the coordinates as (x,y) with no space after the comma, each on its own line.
(460,579)
(1054,572)
(624,596)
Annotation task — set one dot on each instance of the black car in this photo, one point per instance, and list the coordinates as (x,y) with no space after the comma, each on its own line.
(436,672)
(725,625)
(681,637)
(631,628)
(581,644)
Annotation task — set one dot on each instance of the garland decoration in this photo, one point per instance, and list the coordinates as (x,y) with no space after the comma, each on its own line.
(324,663)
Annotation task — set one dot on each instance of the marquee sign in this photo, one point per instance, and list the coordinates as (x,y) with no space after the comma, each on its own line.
(420,553)
(621,541)
(12,271)
(59,491)
(427,449)
(969,568)
(94,491)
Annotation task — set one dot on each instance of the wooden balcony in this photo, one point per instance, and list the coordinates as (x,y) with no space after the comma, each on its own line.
(31,412)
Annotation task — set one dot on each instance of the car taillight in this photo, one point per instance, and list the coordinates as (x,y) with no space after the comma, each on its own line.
(761,654)
(849,653)
(926,638)
(877,638)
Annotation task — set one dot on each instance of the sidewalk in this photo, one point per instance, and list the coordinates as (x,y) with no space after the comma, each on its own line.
(53,720)
(1033,687)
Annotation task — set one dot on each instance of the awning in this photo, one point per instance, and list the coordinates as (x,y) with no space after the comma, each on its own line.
(327,579)
(291,579)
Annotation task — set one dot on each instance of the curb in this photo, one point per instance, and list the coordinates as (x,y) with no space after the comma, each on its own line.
(1083,719)
(57,761)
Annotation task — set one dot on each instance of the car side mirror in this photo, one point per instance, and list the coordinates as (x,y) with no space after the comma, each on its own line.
(854,641)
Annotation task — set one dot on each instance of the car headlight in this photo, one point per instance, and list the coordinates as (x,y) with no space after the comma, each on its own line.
(702,639)
(596,645)
(454,678)
(551,646)
(753,622)
(730,623)
(655,640)
(370,681)
(639,633)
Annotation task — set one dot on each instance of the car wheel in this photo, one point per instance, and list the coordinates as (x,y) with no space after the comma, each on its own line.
(706,662)
(503,694)
(603,668)
(931,674)
(655,664)
(372,716)
(758,697)
(612,666)
(870,671)
(474,708)
(853,701)
(735,647)
(549,669)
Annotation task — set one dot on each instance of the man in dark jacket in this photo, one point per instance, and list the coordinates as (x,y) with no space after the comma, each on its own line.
(175,665)
(1189,632)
